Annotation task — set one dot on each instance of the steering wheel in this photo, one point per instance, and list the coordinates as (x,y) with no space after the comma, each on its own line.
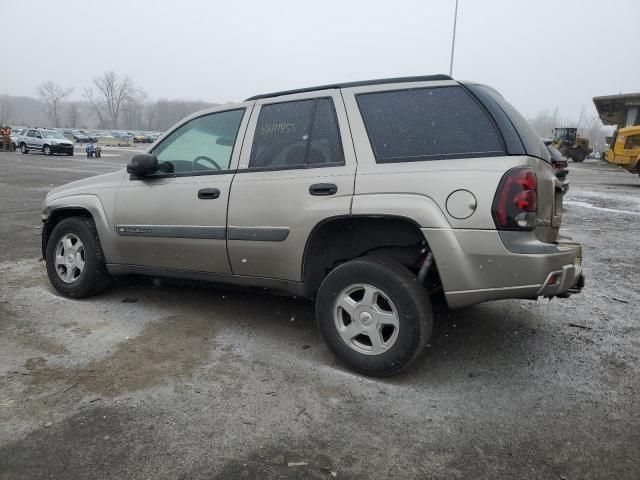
(197,165)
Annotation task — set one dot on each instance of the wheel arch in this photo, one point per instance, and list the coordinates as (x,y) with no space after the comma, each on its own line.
(88,206)
(337,239)
(55,217)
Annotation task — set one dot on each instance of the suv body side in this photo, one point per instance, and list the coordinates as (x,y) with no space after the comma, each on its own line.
(266,215)
(32,138)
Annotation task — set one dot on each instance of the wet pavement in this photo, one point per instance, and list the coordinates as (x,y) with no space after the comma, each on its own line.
(175,380)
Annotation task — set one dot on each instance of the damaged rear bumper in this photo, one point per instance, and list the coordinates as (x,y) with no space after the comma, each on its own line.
(568,280)
(476,266)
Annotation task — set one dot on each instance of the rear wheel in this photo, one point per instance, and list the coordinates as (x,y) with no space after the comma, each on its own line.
(74,258)
(374,315)
(23,148)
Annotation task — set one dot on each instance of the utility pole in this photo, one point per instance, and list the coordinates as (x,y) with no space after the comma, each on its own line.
(453,40)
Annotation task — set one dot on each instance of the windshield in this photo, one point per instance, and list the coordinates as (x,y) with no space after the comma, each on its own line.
(53,135)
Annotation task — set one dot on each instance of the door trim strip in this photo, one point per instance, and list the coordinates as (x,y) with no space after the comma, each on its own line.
(172,231)
(256,234)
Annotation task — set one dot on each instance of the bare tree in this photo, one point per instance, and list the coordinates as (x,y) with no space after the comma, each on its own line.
(593,129)
(112,92)
(73,115)
(96,105)
(53,95)
(133,109)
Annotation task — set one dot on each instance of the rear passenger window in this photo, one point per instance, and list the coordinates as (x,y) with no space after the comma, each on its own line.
(297,134)
(427,124)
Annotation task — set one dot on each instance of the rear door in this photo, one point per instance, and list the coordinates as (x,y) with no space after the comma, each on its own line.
(176,218)
(297,168)
(32,139)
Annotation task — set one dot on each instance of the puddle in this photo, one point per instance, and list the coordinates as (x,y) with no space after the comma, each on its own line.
(171,348)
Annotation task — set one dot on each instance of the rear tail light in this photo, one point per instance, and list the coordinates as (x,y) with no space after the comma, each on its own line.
(516,202)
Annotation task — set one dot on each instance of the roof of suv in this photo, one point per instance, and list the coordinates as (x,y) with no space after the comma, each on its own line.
(382,81)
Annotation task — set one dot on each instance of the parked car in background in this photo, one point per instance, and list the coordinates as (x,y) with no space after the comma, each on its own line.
(139,138)
(337,193)
(45,141)
(560,163)
(15,134)
(122,135)
(80,136)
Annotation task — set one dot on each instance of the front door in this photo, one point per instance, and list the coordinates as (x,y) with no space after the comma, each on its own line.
(297,168)
(176,217)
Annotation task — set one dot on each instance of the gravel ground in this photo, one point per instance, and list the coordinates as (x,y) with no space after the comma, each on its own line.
(194,381)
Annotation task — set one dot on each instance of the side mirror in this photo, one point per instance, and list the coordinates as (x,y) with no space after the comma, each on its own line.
(142,164)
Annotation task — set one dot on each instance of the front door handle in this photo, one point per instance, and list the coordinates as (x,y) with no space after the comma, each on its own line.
(208,193)
(323,189)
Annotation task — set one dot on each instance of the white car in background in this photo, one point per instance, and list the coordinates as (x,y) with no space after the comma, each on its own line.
(46,141)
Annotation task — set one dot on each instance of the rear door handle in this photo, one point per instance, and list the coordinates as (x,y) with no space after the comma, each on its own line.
(208,193)
(323,189)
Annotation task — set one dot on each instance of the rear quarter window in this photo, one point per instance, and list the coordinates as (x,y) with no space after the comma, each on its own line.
(427,124)
(531,141)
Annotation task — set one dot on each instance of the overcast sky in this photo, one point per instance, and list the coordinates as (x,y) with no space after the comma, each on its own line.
(540,54)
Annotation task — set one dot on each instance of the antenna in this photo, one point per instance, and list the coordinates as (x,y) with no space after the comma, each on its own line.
(453,40)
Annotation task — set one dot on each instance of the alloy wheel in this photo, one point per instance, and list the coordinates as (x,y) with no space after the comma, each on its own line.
(366,319)
(70,258)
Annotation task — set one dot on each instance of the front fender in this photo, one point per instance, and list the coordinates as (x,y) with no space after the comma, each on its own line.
(95,207)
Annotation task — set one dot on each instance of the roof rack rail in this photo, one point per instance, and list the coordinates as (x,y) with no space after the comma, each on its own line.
(381,81)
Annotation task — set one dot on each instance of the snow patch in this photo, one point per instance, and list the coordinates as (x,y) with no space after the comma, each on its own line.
(578,203)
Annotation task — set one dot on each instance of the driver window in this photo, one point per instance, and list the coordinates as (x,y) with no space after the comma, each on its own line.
(204,144)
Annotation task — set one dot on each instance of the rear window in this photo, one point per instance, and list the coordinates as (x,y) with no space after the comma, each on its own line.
(427,124)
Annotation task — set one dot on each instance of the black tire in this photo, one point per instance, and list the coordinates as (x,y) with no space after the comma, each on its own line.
(410,299)
(23,148)
(70,154)
(45,148)
(94,277)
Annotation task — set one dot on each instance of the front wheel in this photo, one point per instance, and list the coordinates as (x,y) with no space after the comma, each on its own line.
(23,148)
(47,150)
(374,315)
(74,258)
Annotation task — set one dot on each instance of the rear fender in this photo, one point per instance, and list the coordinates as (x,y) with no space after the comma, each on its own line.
(419,208)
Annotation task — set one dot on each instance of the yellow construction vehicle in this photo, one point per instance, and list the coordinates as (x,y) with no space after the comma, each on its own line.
(570,144)
(623,111)
(625,150)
